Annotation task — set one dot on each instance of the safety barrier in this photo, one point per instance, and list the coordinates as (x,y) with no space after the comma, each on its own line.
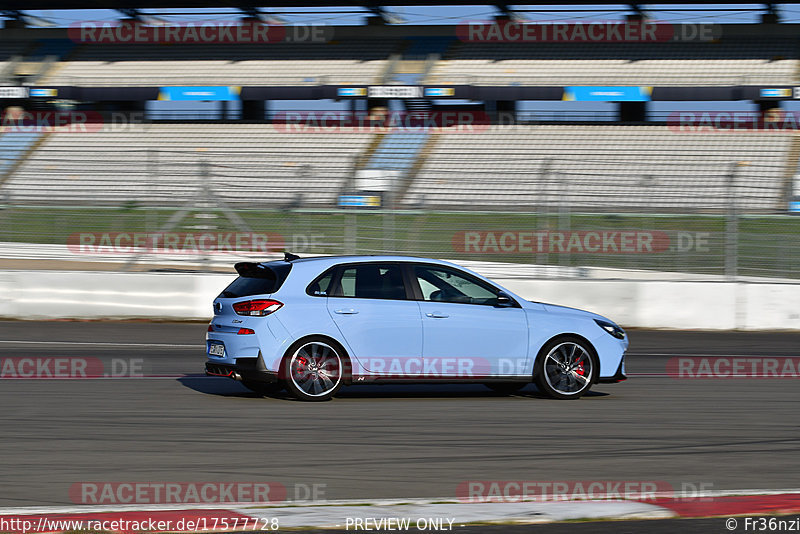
(713,305)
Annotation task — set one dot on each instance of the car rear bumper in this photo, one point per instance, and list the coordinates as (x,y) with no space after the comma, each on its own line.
(245,369)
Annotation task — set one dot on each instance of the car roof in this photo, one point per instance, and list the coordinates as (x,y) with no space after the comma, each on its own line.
(344,258)
(312,266)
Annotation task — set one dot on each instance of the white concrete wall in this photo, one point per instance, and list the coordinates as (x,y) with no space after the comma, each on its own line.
(632,303)
(90,294)
(674,304)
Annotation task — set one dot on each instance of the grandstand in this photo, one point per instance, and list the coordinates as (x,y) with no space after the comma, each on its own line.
(247,164)
(10,53)
(335,62)
(600,168)
(741,62)
(731,61)
(585,167)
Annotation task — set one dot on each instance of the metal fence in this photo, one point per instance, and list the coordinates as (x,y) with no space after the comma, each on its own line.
(102,206)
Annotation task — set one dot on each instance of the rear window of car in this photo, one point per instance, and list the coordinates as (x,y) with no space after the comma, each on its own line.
(373,281)
(257,279)
(322,286)
(363,280)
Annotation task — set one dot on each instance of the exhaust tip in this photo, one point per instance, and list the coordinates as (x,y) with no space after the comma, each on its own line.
(236,376)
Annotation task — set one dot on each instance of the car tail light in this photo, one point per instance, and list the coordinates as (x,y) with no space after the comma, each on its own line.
(210,327)
(245,331)
(258,308)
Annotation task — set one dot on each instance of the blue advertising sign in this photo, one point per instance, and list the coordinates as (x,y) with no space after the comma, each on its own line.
(360,201)
(351,91)
(210,93)
(776,92)
(43,92)
(439,91)
(607,94)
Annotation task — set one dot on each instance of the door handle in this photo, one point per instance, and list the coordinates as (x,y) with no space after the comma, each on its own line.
(437,315)
(346,311)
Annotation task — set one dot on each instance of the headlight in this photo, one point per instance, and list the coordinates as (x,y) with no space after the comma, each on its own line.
(611,328)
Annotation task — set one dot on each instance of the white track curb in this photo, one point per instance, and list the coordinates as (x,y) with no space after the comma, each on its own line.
(335,514)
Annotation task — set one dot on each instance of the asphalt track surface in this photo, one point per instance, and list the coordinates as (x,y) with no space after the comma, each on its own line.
(383,441)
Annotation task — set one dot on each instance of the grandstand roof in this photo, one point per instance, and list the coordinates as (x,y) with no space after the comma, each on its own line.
(166,4)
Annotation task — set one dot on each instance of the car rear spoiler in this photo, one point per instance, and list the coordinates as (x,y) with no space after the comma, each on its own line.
(251,269)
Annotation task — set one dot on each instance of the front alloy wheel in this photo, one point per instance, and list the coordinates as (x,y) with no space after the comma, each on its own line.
(314,371)
(567,369)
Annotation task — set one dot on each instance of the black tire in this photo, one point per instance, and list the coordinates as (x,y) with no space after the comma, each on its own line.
(566,368)
(505,388)
(265,389)
(314,369)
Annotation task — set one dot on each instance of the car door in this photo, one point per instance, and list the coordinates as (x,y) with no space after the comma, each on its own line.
(370,305)
(466,333)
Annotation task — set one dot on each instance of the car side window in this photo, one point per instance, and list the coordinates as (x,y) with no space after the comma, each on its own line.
(372,281)
(444,285)
(322,286)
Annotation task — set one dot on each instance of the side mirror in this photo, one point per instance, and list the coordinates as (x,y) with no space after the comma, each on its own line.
(503,301)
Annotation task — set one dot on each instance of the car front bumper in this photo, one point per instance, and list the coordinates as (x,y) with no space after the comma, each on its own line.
(619,376)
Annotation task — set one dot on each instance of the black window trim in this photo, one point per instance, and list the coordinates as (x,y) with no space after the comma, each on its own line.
(316,280)
(341,267)
(413,290)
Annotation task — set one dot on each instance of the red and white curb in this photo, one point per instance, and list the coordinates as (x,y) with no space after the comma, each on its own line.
(401,514)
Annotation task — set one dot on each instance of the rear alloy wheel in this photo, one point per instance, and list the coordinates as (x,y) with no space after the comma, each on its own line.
(567,369)
(505,388)
(314,371)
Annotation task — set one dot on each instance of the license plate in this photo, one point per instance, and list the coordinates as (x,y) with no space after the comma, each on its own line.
(216,349)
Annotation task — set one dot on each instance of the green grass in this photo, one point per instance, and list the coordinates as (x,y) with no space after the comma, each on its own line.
(765,245)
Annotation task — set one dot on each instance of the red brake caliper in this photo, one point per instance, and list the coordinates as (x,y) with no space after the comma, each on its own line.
(301,367)
(580,370)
